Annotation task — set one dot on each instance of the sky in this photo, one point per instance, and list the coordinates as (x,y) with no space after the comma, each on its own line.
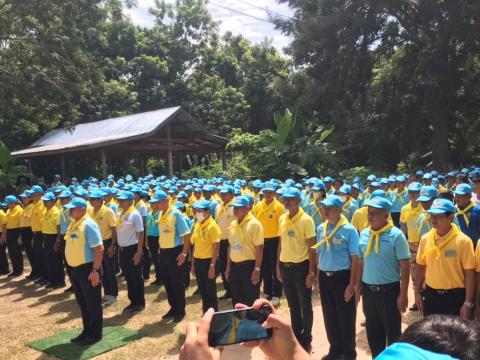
(241,17)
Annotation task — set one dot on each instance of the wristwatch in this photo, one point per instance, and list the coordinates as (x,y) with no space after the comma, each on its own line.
(212,265)
(94,270)
(257,268)
(184,254)
(311,273)
(468,304)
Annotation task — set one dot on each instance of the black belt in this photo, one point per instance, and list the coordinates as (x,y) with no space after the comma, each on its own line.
(380,288)
(240,263)
(333,273)
(444,291)
(292,264)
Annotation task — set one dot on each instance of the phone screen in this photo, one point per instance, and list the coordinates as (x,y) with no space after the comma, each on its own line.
(237,326)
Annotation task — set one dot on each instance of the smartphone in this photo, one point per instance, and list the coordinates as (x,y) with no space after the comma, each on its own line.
(237,326)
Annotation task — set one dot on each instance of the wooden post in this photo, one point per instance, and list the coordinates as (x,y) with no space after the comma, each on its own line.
(170,152)
(179,164)
(142,166)
(62,166)
(104,163)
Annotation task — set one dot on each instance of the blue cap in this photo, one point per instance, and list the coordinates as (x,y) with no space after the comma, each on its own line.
(319,185)
(428,193)
(161,195)
(346,189)
(76,203)
(49,196)
(65,194)
(292,192)
(414,186)
(226,189)
(11,199)
(201,204)
(182,195)
(392,178)
(173,189)
(153,199)
(328,179)
(441,206)
(411,352)
(26,193)
(126,195)
(371,178)
(463,189)
(129,178)
(379,203)
(37,189)
(401,178)
(419,173)
(240,201)
(269,186)
(427,176)
(96,194)
(80,191)
(383,181)
(180,205)
(332,201)
(434,173)
(375,184)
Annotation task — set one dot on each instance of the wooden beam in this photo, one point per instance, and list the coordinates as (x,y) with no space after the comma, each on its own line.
(104,163)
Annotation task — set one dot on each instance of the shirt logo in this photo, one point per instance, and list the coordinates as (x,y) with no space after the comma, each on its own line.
(337,241)
(291,233)
(450,253)
(74,236)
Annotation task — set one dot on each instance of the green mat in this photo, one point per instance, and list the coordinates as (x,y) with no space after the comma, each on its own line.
(59,345)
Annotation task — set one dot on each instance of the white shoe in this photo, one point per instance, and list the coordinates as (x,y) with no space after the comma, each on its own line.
(275,301)
(109,300)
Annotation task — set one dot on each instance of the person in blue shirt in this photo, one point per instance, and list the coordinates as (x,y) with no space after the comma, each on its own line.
(427,195)
(349,204)
(314,207)
(399,198)
(337,249)
(385,255)
(152,238)
(65,198)
(468,213)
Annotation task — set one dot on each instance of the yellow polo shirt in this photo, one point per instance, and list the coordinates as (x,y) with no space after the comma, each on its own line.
(13,217)
(51,221)
(26,217)
(105,219)
(38,212)
(81,237)
(444,268)
(294,235)
(224,217)
(409,216)
(244,237)
(360,219)
(269,216)
(204,236)
(3,220)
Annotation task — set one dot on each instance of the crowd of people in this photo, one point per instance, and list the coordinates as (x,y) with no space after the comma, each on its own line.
(366,239)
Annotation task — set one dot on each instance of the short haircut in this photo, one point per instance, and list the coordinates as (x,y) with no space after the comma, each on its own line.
(445,334)
(446,195)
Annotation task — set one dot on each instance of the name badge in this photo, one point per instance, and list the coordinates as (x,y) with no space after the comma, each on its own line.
(450,253)
(337,241)
(291,233)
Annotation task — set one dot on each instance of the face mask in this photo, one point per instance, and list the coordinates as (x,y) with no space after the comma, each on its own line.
(316,194)
(344,198)
(200,216)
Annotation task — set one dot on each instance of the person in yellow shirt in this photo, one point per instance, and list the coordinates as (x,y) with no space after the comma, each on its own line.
(39,269)
(105,218)
(360,216)
(245,253)
(52,242)
(4,268)
(224,217)
(11,234)
(446,264)
(296,267)
(26,228)
(268,212)
(206,243)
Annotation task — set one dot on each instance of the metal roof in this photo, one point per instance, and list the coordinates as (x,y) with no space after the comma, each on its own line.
(124,129)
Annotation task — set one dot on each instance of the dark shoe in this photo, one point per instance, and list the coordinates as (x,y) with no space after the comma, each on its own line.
(14,274)
(59,286)
(178,317)
(414,307)
(129,308)
(137,308)
(196,292)
(89,340)
(156,283)
(80,337)
(4,272)
(49,286)
(169,314)
(225,296)
(32,276)
(331,357)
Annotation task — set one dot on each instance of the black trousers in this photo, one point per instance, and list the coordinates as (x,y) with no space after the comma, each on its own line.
(14,250)
(154,254)
(382,316)
(271,286)
(4,267)
(396,218)
(89,298)
(146,262)
(206,286)
(109,280)
(173,278)
(39,267)
(27,241)
(222,263)
(448,303)
(53,261)
(299,299)
(68,268)
(339,316)
(241,287)
(133,275)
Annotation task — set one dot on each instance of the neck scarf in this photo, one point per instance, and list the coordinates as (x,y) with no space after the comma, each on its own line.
(326,238)
(124,215)
(375,236)
(436,243)
(465,212)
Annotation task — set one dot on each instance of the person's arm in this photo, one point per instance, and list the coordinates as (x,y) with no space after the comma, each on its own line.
(402,300)
(358,280)
(350,290)
(419,280)
(229,263)
(465,311)
(113,246)
(3,236)
(279,250)
(138,254)
(213,262)
(94,276)
(258,263)
(312,263)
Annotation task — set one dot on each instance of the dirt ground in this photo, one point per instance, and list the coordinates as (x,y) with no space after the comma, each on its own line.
(28,312)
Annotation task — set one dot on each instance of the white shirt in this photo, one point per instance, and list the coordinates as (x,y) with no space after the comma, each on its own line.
(128,229)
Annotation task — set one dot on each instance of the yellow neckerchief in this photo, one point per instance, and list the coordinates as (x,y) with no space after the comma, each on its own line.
(74,225)
(223,208)
(63,212)
(375,236)
(198,231)
(289,224)
(99,213)
(426,220)
(266,208)
(347,204)
(465,211)
(239,227)
(437,243)
(165,215)
(152,218)
(139,203)
(399,195)
(326,238)
(317,209)
(124,215)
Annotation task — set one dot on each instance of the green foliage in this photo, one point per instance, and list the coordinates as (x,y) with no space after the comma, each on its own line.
(9,172)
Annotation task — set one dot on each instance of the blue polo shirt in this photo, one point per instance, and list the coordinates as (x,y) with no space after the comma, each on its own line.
(348,212)
(314,212)
(398,201)
(152,224)
(64,220)
(473,228)
(384,267)
(342,245)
